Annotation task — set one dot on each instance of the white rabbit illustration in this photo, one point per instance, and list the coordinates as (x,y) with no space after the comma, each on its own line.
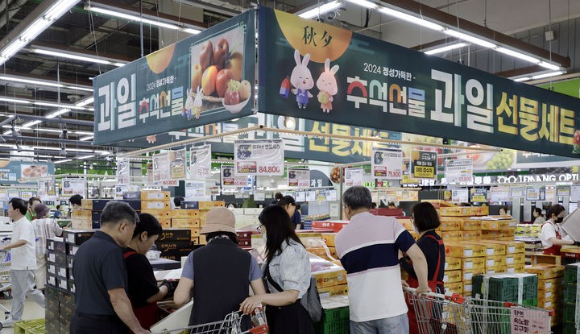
(327,85)
(188,105)
(198,102)
(302,80)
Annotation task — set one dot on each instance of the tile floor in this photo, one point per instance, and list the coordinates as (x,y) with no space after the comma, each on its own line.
(31,311)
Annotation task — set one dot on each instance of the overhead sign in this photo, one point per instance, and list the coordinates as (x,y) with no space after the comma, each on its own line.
(350,78)
(423,164)
(387,164)
(535,193)
(177,164)
(123,171)
(18,172)
(298,177)
(195,189)
(353,177)
(200,162)
(229,179)
(460,195)
(73,187)
(478,195)
(567,177)
(203,79)
(259,157)
(499,194)
(459,171)
(161,167)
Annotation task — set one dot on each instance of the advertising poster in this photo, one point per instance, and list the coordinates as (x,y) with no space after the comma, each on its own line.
(177,164)
(575,194)
(535,193)
(298,177)
(18,172)
(311,196)
(194,189)
(387,164)
(459,171)
(327,73)
(300,196)
(517,192)
(229,179)
(331,195)
(123,171)
(120,190)
(161,167)
(563,191)
(499,194)
(423,164)
(353,177)
(73,187)
(200,162)
(203,79)
(551,194)
(478,195)
(460,196)
(259,157)
(524,321)
(42,188)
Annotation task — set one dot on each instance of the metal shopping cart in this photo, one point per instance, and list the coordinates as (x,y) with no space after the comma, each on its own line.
(5,282)
(452,314)
(233,323)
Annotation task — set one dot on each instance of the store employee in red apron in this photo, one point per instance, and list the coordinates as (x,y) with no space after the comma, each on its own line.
(425,220)
(553,236)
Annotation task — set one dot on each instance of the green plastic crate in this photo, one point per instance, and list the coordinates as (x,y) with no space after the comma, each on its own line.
(570,293)
(571,274)
(340,326)
(569,313)
(336,314)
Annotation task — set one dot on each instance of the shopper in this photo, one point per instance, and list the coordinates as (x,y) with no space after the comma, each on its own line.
(538,217)
(57,213)
(425,220)
(217,276)
(32,202)
(503,210)
(368,248)
(44,229)
(287,271)
(392,205)
(553,237)
(277,198)
(142,285)
(289,204)
(75,202)
(23,261)
(177,202)
(101,302)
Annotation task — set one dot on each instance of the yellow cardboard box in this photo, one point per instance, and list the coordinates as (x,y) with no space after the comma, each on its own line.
(330,278)
(157,213)
(165,222)
(546,271)
(550,284)
(452,276)
(495,260)
(471,235)
(496,270)
(195,232)
(450,225)
(337,290)
(460,249)
(182,223)
(406,223)
(87,204)
(517,258)
(545,295)
(467,289)
(329,239)
(456,287)
(498,225)
(155,205)
(512,247)
(155,195)
(82,214)
(490,248)
(515,268)
(468,275)
(473,263)
(184,213)
(470,225)
(452,235)
(452,263)
(207,205)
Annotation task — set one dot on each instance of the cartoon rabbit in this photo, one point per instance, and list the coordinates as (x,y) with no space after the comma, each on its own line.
(327,85)
(198,102)
(302,80)
(188,105)
(193,105)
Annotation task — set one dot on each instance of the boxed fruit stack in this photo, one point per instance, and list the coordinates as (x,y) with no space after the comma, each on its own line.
(549,288)
(571,304)
(494,228)
(463,261)
(528,230)
(89,216)
(521,289)
(458,223)
(330,277)
(174,243)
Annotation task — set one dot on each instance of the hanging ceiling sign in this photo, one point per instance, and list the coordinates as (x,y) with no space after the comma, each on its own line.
(161,167)
(73,187)
(347,78)
(353,177)
(387,164)
(423,164)
(177,164)
(123,171)
(460,195)
(19,172)
(202,79)
(229,179)
(459,171)
(259,157)
(298,177)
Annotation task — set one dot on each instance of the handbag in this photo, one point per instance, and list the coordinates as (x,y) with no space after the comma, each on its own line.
(310,300)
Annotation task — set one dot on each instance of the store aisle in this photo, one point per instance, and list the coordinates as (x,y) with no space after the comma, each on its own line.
(31,311)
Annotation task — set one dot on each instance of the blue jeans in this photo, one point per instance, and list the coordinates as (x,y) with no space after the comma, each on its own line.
(394,325)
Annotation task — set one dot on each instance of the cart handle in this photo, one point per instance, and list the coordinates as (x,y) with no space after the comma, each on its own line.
(454,297)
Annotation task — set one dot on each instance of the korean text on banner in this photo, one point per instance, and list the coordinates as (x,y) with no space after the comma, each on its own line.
(387,164)
(460,196)
(161,167)
(355,79)
(200,162)
(229,179)
(298,177)
(525,320)
(123,171)
(203,79)
(423,164)
(353,177)
(73,187)
(459,171)
(259,157)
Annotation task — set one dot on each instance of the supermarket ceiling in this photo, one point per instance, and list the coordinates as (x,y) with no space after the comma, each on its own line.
(46,93)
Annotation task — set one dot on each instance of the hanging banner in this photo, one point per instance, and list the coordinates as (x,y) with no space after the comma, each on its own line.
(551,194)
(177,164)
(203,79)
(229,179)
(18,172)
(200,162)
(120,189)
(517,192)
(563,191)
(459,171)
(123,171)
(460,196)
(311,196)
(42,188)
(259,157)
(73,187)
(423,164)
(535,193)
(194,189)
(300,196)
(478,195)
(355,79)
(387,164)
(353,177)
(298,177)
(499,194)
(331,195)
(161,167)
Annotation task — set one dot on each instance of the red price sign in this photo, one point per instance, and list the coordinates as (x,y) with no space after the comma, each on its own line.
(268,169)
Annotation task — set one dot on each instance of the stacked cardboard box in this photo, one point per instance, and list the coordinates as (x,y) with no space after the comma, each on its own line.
(59,310)
(89,216)
(528,230)
(245,238)
(472,259)
(174,243)
(493,228)
(549,288)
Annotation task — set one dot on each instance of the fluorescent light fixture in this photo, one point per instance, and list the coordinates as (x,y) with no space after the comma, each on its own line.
(314,12)
(48,130)
(86,102)
(61,161)
(56,105)
(103,152)
(469,38)
(446,48)
(48,148)
(11,49)
(86,157)
(77,56)
(79,150)
(364,3)
(30,124)
(550,66)
(86,138)
(8,145)
(86,133)
(522,79)
(191,31)
(11,100)
(547,75)
(84,89)
(517,54)
(58,113)
(412,19)
(7,132)
(30,81)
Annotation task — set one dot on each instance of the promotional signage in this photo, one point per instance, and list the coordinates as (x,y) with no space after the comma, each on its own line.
(123,171)
(423,164)
(202,79)
(517,192)
(200,162)
(327,73)
(19,172)
(387,164)
(353,177)
(478,195)
(459,171)
(161,167)
(525,321)
(567,177)
(563,191)
(73,187)
(259,157)
(499,194)
(298,177)
(535,193)
(575,194)
(229,179)
(194,189)
(177,164)
(460,195)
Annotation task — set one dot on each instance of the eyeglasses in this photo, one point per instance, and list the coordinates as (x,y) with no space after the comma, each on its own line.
(259,228)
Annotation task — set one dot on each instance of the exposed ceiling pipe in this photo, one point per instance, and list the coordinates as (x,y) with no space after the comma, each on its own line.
(56,120)
(12,10)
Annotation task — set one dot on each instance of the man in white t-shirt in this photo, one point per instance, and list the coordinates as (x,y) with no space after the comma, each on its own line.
(23,261)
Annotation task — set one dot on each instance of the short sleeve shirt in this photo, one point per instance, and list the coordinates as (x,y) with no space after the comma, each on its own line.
(291,269)
(255,271)
(549,231)
(23,257)
(98,267)
(140,278)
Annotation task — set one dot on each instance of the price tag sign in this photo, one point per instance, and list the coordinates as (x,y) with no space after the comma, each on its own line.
(423,164)
(195,189)
(353,177)
(161,167)
(298,177)
(387,163)
(177,164)
(459,171)
(200,162)
(535,193)
(123,171)
(460,196)
(500,194)
(231,180)
(525,321)
(259,157)
(478,195)
(73,187)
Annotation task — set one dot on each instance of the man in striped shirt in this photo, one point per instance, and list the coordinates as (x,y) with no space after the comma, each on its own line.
(368,248)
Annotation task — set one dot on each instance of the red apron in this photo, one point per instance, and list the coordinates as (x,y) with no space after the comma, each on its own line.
(414,283)
(555,249)
(147,315)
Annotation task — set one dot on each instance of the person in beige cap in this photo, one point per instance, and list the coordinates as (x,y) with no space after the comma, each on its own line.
(218,275)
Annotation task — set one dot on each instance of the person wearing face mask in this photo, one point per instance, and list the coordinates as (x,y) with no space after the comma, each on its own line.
(553,236)
(142,285)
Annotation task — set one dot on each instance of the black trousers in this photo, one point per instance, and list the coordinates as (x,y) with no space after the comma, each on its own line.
(290,319)
(85,324)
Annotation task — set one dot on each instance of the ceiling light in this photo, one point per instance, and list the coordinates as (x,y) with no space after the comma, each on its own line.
(47,130)
(191,31)
(86,157)
(80,150)
(84,89)
(86,102)
(289,122)
(86,138)
(469,38)
(411,18)
(364,3)
(58,113)
(86,133)
(30,81)
(50,148)
(30,124)
(517,54)
(522,79)
(7,99)
(103,152)
(549,66)
(446,48)
(61,161)
(56,105)
(77,56)
(327,7)
(547,75)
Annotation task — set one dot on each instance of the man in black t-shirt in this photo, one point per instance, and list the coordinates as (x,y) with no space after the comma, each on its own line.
(101,302)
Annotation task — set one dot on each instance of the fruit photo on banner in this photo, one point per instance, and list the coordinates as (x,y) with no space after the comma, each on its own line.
(217,75)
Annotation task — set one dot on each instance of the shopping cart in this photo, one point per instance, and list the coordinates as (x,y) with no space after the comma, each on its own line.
(5,281)
(452,314)
(233,323)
